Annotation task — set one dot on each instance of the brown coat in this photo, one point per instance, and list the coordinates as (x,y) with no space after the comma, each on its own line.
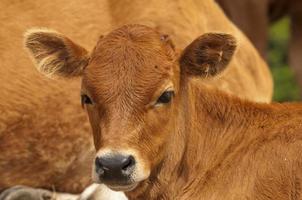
(43,128)
(188,140)
(231,149)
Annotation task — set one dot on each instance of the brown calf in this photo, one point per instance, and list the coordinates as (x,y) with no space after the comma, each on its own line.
(42,126)
(160,134)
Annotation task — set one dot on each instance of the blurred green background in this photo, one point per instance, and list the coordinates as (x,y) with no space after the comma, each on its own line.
(286,88)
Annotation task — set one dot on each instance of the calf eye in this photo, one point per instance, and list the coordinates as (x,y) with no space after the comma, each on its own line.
(85,99)
(165,98)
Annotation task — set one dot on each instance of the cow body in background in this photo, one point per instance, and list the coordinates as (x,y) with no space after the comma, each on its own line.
(255,17)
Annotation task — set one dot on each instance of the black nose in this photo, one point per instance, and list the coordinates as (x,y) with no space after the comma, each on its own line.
(114,167)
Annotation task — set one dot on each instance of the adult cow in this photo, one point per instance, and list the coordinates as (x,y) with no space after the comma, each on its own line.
(49,113)
(254,18)
(160,134)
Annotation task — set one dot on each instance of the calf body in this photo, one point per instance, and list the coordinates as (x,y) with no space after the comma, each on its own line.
(163,131)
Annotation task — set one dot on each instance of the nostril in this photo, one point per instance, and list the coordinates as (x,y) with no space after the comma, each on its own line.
(98,163)
(128,162)
(98,166)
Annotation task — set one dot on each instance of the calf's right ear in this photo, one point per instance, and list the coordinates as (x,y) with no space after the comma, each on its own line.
(208,55)
(55,54)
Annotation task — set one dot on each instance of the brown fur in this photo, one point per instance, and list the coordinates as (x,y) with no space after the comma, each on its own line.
(232,150)
(42,126)
(205,144)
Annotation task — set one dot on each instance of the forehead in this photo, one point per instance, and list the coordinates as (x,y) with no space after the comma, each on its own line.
(130,59)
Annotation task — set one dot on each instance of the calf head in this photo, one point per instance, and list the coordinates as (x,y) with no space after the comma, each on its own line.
(131,89)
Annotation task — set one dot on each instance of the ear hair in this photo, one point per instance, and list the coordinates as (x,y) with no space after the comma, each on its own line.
(208,55)
(55,54)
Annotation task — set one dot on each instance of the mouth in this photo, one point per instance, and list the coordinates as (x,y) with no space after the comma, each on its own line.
(123,188)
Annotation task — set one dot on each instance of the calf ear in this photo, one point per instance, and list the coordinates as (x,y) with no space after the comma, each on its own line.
(55,54)
(208,55)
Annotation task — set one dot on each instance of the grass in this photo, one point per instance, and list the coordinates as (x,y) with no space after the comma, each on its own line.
(286,88)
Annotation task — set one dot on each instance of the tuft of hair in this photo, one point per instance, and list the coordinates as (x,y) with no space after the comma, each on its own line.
(55,54)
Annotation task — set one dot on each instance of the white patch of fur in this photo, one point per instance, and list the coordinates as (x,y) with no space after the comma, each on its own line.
(65,196)
(89,191)
(101,192)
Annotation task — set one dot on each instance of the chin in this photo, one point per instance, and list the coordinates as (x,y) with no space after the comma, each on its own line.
(123,188)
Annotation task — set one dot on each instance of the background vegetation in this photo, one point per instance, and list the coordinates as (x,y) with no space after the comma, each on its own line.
(286,88)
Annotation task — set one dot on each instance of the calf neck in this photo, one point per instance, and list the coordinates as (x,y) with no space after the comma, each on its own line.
(227,148)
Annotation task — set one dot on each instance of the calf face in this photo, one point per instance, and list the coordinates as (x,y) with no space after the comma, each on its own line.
(131,89)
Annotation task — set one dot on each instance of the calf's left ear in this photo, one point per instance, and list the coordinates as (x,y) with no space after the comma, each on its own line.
(208,55)
(55,54)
